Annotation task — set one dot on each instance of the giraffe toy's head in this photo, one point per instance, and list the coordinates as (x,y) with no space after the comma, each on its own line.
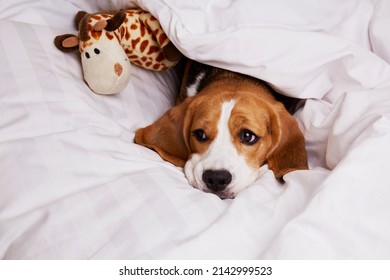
(109,41)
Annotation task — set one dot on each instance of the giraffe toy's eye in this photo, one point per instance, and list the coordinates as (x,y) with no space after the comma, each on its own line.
(97,51)
(87,55)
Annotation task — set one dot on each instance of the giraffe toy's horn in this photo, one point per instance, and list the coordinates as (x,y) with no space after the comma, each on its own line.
(115,21)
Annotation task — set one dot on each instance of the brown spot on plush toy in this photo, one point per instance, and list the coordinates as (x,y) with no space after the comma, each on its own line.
(106,44)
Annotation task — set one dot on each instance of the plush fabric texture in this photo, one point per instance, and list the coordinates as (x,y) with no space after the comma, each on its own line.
(109,42)
(73,184)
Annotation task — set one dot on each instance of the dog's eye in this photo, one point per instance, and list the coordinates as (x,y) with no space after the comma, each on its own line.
(200,135)
(95,50)
(87,55)
(247,137)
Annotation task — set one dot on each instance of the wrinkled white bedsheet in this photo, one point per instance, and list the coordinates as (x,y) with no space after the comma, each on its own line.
(73,185)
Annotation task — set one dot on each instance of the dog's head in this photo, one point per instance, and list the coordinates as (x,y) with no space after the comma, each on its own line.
(221,138)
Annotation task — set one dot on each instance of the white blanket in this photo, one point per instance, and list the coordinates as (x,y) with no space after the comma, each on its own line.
(73,185)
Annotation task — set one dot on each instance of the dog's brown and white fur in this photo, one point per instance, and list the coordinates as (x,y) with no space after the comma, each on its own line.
(224,127)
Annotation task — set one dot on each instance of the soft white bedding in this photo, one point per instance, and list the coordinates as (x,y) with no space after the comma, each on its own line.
(74,186)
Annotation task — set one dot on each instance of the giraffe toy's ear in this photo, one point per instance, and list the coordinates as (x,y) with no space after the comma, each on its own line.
(67,42)
(100,25)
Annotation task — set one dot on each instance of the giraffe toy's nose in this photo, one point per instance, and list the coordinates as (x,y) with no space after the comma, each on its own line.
(118,69)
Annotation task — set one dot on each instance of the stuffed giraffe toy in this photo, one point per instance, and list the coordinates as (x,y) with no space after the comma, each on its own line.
(109,41)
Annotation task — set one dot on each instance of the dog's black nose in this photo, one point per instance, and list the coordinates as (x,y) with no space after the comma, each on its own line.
(216,180)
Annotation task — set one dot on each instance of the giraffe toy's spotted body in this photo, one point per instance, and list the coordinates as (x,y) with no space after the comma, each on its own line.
(141,37)
(109,41)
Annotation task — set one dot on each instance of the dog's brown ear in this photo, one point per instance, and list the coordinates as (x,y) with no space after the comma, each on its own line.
(288,153)
(167,136)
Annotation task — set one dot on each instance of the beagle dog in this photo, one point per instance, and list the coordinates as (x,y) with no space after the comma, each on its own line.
(224,127)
